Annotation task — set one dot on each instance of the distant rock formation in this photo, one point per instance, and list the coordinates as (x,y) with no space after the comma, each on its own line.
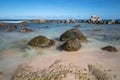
(37,21)
(95,19)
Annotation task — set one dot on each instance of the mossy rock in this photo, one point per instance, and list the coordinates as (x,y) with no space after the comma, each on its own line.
(73,33)
(41,42)
(73,44)
(110,48)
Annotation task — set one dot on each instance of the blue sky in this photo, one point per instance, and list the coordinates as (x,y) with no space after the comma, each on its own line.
(83,9)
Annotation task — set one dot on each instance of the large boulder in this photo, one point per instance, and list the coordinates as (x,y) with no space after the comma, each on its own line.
(73,33)
(26,30)
(110,48)
(41,42)
(73,44)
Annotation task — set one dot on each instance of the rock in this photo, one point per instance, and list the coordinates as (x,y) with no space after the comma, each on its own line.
(37,21)
(73,44)
(3,24)
(26,30)
(41,42)
(1,75)
(110,48)
(73,33)
(11,28)
(23,24)
(77,26)
(111,22)
(98,72)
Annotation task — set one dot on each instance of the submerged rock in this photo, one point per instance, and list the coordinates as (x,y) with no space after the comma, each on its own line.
(110,48)
(41,42)
(26,30)
(73,33)
(73,44)
(11,28)
(77,26)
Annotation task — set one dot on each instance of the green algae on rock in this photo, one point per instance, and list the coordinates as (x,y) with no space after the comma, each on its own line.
(73,33)
(41,42)
(73,44)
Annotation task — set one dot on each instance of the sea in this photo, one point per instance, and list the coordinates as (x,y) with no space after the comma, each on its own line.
(13,49)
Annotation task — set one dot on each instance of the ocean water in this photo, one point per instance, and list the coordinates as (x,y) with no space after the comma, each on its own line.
(13,50)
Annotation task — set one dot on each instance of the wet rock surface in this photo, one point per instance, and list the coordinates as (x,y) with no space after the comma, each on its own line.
(110,49)
(73,33)
(41,42)
(73,44)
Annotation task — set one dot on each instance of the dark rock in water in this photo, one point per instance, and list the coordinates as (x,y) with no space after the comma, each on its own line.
(73,44)
(73,33)
(110,48)
(41,42)
(11,28)
(77,26)
(26,30)
(23,24)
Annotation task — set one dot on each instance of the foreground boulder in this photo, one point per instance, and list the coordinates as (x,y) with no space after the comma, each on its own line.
(41,42)
(73,33)
(26,30)
(73,44)
(110,48)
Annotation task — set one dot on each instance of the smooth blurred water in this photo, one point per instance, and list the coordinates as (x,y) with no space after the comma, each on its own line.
(110,33)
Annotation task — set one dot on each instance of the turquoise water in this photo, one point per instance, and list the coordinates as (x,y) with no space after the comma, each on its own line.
(110,33)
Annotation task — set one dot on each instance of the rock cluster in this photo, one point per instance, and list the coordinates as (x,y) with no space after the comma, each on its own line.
(11,28)
(56,71)
(73,39)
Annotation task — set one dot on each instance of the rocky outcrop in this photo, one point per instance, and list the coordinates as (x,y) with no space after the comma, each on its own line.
(41,42)
(26,30)
(73,33)
(3,24)
(37,21)
(73,44)
(110,48)
(11,28)
(112,22)
(96,20)
(23,24)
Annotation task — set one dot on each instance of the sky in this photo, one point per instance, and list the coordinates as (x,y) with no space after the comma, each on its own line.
(59,9)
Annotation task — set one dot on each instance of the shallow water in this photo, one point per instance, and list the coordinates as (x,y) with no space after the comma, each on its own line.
(14,52)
